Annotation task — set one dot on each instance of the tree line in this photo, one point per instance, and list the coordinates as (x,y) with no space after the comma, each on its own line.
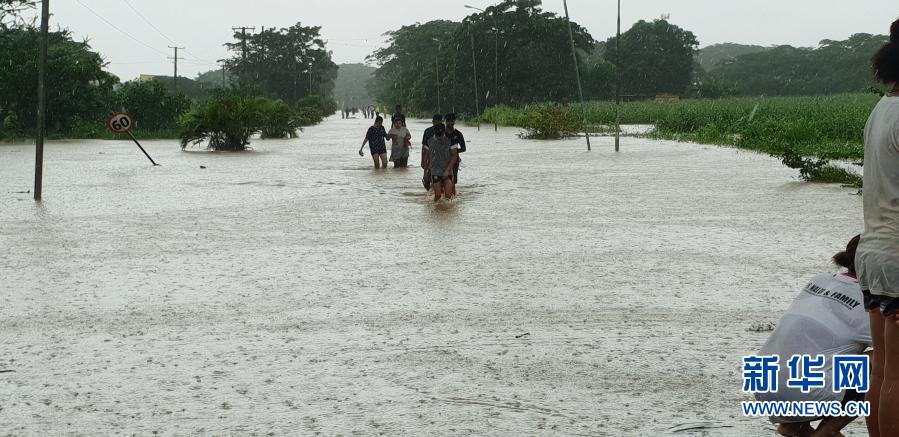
(514,53)
(290,65)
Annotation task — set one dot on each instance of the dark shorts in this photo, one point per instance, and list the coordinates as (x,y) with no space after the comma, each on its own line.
(439,179)
(887,305)
(378,150)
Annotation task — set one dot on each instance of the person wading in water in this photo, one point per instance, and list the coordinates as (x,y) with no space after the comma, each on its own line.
(375,139)
(440,159)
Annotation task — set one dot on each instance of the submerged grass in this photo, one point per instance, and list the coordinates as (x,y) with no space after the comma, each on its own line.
(828,127)
(821,127)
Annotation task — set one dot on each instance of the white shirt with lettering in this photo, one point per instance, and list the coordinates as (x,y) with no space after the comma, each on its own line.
(827,318)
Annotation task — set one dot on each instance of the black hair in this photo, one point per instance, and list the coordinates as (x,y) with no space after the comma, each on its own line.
(450,117)
(886,61)
(437,117)
(379,119)
(440,130)
(846,258)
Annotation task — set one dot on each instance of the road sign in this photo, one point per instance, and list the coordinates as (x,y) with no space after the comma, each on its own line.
(121,122)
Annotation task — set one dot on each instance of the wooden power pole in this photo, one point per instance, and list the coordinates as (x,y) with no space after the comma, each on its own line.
(41,102)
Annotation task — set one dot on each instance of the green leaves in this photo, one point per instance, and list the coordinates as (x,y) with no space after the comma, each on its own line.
(288,63)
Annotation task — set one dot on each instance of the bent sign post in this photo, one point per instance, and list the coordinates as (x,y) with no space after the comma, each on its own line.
(121,123)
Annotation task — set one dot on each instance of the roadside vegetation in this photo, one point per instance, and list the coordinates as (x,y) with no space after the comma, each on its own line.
(81,94)
(807,133)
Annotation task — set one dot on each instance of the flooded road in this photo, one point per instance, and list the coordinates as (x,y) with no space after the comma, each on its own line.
(294,290)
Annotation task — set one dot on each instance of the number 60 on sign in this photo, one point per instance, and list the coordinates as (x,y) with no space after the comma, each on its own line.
(121,122)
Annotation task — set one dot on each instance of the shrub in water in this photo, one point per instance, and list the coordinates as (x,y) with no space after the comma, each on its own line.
(227,122)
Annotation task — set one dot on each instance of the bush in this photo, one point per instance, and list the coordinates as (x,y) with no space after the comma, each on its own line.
(228,121)
(541,121)
(151,104)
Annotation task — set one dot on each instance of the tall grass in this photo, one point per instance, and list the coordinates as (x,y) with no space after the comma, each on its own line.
(827,127)
(804,132)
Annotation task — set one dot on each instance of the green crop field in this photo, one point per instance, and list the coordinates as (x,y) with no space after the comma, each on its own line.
(827,127)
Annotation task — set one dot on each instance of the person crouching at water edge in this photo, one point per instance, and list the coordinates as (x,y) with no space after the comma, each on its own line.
(402,143)
(375,139)
(440,158)
(827,318)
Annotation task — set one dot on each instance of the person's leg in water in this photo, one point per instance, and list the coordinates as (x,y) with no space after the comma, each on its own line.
(437,185)
(877,366)
(383,160)
(831,426)
(799,429)
(375,159)
(449,187)
(889,390)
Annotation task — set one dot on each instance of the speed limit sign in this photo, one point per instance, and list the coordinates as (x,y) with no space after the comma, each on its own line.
(121,122)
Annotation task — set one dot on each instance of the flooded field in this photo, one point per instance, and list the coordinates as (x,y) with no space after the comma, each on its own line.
(293,290)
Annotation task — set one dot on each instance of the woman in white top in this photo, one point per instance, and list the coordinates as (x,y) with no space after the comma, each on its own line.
(402,143)
(827,318)
(878,252)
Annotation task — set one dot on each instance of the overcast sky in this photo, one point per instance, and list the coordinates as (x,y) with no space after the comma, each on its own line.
(353,29)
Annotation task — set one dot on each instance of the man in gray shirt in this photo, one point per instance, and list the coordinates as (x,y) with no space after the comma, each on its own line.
(440,159)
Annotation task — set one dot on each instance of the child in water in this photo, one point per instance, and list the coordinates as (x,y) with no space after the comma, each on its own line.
(375,139)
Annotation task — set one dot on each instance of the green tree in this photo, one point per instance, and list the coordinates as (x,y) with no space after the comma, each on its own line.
(407,73)
(153,106)
(656,57)
(288,63)
(77,86)
(832,67)
(532,55)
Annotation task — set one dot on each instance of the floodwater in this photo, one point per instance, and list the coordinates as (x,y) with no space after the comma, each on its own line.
(293,290)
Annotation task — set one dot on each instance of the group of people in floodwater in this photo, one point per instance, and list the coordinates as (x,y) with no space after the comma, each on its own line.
(441,147)
(855,312)
(369,111)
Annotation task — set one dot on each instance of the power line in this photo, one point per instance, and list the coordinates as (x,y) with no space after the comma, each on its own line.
(143,17)
(160,32)
(119,29)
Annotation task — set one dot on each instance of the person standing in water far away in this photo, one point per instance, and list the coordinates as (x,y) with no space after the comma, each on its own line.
(429,132)
(877,260)
(440,159)
(456,138)
(827,318)
(375,139)
(402,142)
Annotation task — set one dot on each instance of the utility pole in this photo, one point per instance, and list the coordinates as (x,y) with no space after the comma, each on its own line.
(222,63)
(577,74)
(243,42)
(176,58)
(496,74)
(618,82)
(437,67)
(474,66)
(41,102)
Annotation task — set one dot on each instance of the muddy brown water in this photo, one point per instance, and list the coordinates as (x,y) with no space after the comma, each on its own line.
(294,290)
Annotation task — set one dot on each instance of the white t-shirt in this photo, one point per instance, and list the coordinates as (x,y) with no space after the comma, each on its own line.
(827,318)
(877,257)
